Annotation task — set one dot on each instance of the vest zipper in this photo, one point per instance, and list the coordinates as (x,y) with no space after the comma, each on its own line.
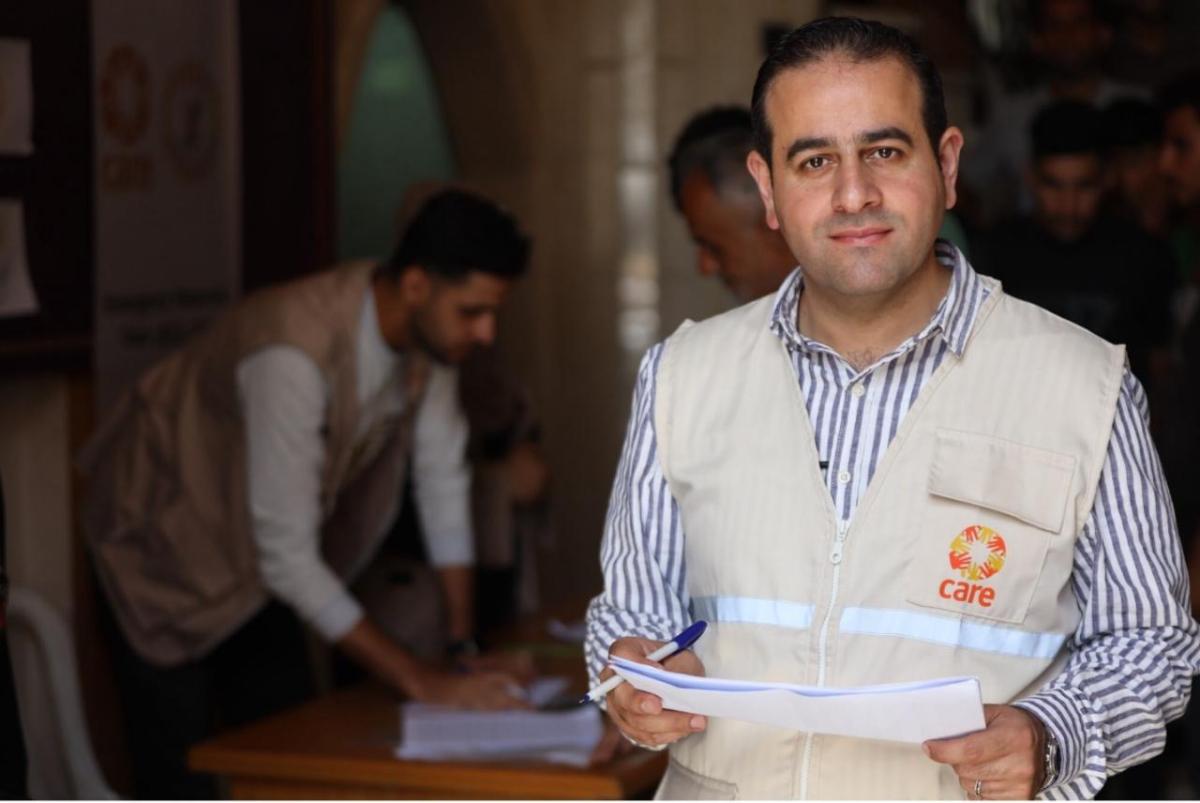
(835,557)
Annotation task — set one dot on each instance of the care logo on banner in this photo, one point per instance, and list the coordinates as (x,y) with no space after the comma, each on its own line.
(125,117)
(188,116)
(168,178)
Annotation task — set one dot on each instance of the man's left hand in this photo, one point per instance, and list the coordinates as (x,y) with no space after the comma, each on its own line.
(1006,756)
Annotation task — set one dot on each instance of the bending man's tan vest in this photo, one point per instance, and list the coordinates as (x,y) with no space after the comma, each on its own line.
(168,520)
(957,560)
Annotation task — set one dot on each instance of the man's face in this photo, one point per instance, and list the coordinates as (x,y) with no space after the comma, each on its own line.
(1179,158)
(455,317)
(732,240)
(1067,190)
(1069,38)
(1135,172)
(854,185)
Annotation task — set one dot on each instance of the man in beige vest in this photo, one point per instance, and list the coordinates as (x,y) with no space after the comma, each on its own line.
(891,471)
(245,480)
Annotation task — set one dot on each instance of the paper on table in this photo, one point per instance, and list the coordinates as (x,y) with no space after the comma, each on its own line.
(440,733)
(901,712)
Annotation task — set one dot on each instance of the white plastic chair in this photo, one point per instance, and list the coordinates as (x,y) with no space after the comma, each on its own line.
(61,762)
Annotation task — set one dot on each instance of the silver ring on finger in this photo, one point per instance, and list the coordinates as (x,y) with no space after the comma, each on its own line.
(644,746)
(977,791)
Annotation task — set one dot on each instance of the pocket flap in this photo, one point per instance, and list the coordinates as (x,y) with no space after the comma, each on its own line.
(1021,481)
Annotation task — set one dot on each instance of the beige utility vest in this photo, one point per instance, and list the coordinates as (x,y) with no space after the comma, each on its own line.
(167,517)
(957,560)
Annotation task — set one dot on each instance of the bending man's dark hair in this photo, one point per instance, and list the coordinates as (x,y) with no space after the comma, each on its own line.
(456,232)
(715,142)
(861,41)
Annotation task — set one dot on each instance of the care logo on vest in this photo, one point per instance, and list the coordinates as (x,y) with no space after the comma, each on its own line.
(976,553)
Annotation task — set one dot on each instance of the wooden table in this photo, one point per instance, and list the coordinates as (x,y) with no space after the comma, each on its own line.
(340,746)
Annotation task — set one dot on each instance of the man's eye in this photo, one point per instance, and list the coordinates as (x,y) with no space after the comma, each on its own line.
(886,153)
(815,162)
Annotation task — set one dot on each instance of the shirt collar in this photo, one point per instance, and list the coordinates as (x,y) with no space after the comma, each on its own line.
(952,321)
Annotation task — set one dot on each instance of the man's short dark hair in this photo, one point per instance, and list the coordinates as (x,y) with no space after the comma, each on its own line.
(1180,92)
(861,41)
(1131,123)
(457,232)
(1067,128)
(715,142)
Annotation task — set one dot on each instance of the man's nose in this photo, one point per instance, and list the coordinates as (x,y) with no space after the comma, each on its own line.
(485,330)
(855,188)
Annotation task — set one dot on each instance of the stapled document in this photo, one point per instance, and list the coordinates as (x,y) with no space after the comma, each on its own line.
(901,712)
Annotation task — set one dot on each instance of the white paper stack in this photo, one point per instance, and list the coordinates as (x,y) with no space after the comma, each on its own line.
(440,733)
(901,712)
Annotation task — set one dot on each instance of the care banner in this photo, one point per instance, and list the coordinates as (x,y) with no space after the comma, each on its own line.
(168,178)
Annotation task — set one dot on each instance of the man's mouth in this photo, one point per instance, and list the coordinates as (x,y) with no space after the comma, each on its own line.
(869,235)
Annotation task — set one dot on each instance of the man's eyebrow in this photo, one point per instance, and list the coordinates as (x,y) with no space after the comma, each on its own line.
(880,134)
(865,138)
(808,143)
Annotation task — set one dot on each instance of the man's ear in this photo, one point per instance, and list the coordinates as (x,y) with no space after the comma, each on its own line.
(761,171)
(415,285)
(949,150)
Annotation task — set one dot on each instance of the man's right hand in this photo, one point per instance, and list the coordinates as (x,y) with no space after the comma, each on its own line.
(640,715)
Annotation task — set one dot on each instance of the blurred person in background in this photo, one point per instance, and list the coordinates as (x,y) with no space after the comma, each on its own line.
(1111,279)
(715,193)
(1137,188)
(1069,40)
(246,479)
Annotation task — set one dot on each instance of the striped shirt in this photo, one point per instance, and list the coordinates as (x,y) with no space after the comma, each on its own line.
(1136,647)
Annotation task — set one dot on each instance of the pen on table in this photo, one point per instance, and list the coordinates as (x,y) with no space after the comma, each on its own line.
(680,642)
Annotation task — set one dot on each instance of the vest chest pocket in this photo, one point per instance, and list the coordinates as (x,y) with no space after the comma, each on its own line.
(994,509)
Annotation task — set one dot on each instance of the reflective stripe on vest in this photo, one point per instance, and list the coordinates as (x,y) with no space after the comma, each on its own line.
(753,610)
(951,632)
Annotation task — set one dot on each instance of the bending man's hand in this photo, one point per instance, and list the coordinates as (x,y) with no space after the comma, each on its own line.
(483,690)
(487,688)
(1006,757)
(640,715)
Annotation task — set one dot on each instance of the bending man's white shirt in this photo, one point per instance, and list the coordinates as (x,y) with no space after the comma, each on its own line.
(1136,647)
(283,397)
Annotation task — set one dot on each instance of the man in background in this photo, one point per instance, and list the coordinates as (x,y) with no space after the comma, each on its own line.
(1112,278)
(1133,133)
(714,192)
(1069,41)
(245,480)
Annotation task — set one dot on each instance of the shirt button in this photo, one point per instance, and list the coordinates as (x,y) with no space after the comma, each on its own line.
(859,391)
(843,477)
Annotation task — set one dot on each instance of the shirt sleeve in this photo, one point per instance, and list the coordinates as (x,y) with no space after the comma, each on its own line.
(441,476)
(1136,648)
(283,400)
(641,552)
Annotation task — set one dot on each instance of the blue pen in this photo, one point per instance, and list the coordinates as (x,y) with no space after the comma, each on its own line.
(681,642)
